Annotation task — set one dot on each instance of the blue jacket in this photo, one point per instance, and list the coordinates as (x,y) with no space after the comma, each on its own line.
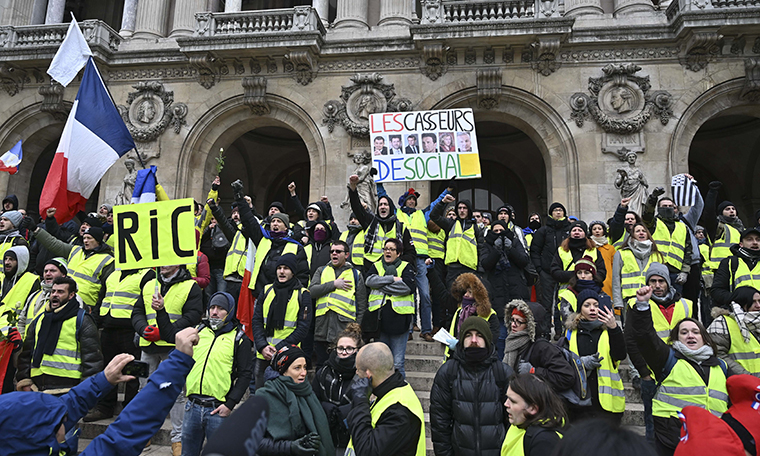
(28,421)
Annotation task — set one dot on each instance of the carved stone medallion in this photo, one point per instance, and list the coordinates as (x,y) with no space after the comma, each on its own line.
(150,110)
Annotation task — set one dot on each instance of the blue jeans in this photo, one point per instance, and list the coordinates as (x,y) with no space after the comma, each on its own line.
(423,287)
(648,391)
(397,344)
(217,282)
(199,424)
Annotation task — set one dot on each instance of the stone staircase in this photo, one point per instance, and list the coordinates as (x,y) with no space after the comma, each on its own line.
(422,362)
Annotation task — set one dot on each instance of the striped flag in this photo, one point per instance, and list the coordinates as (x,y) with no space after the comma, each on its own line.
(145,186)
(11,160)
(684,190)
(246,300)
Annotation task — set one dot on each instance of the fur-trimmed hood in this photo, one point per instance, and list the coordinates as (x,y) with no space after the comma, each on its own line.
(720,312)
(572,321)
(469,281)
(534,314)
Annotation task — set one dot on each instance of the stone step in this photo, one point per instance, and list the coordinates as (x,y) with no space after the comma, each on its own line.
(632,396)
(633,415)
(422,363)
(420,381)
(152,450)
(89,431)
(420,347)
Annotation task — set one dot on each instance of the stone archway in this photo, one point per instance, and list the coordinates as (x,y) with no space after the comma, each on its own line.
(543,125)
(227,121)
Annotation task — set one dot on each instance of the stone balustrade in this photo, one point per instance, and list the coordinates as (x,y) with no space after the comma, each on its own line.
(457,11)
(98,34)
(298,19)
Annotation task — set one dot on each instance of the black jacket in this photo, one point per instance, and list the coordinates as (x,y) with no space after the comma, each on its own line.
(89,350)
(539,441)
(467,414)
(545,242)
(305,314)
(332,389)
(396,432)
(506,284)
(216,257)
(667,431)
(723,283)
(192,312)
(446,224)
(561,275)
(617,224)
(632,347)
(550,364)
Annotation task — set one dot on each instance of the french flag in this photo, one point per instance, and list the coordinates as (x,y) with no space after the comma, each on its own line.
(246,300)
(10,160)
(145,186)
(93,138)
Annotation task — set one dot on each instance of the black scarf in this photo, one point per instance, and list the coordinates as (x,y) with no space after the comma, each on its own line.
(50,330)
(580,244)
(476,355)
(282,293)
(344,367)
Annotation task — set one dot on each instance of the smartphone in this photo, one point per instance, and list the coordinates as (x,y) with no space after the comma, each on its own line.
(136,368)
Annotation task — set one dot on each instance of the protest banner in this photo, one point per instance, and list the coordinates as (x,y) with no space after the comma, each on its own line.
(424,145)
(154,234)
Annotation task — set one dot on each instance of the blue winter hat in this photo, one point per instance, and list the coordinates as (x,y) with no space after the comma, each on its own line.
(585,295)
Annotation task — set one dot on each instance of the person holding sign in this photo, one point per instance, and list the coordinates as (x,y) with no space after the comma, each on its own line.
(89,264)
(165,307)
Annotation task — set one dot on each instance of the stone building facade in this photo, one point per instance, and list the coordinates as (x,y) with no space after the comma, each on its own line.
(562,90)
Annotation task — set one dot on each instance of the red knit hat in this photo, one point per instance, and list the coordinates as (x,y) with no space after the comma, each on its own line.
(518,312)
(703,433)
(744,392)
(586,263)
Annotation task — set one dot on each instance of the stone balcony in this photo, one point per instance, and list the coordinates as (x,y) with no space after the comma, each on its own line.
(40,42)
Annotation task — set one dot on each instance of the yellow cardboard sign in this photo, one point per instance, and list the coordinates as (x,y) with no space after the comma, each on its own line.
(154,234)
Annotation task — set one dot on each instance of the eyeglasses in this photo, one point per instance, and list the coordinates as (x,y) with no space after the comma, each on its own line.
(389,249)
(337,251)
(517,322)
(346,350)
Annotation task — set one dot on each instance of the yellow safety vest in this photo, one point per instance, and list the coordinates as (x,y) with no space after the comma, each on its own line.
(513,443)
(377,246)
(684,386)
(174,301)
(261,253)
(452,327)
(611,390)
(747,354)
(672,246)
(214,356)
(417,226)
(569,296)
(121,295)
(357,247)
(339,301)
(86,272)
(620,242)
(30,313)
(708,266)
(7,244)
(661,324)
(291,316)
(462,247)
(405,396)
(631,276)
(16,297)
(744,277)
(567,257)
(722,247)
(234,263)
(437,245)
(402,305)
(66,359)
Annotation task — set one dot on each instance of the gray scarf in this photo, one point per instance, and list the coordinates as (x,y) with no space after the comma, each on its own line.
(736,222)
(668,298)
(514,344)
(699,355)
(640,249)
(600,240)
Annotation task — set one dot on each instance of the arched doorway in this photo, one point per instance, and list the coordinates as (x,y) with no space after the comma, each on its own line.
(266,160)
(726,148)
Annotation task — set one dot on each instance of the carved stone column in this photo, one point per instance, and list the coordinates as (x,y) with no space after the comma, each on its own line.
(583,7)
(128,18)
(55,10)
(233,6)
(39,10)
(184,17)
(352,14)
(626,7)
(152,16)
(323,9)
(395,12)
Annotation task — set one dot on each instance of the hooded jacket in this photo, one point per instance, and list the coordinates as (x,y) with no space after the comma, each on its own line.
(320,251)
(549,362)
(438,217)
(325,214)
(545,242)
(722,286)
(510,283)
(22,256)
(482,301)
(13,199)
(467,415)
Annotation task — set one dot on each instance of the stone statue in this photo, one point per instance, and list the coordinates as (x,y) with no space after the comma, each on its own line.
(146,112)
(128,183)
(621,100)
(366,185)
(366,105)
(632,183)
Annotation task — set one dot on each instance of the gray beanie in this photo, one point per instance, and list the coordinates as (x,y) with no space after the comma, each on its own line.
(661,270)
(14,216)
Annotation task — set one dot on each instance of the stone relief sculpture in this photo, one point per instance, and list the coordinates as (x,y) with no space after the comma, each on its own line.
(632,182)
(366,186)
(128,183)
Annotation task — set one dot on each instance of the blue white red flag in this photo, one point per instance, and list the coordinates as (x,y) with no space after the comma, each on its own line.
(145,186)
(10,160)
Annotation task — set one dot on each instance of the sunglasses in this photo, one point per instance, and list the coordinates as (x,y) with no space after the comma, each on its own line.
(337,251)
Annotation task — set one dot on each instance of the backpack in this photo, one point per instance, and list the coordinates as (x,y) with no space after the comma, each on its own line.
(577,395)
(219,241)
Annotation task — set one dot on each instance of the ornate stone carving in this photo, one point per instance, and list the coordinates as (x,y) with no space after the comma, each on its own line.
(52,100)
(592,55)
(256,95)
(367,95)
(13,78)
(209,69)
(631,181)
(432,12)
(751,90)
(255,66)
(151,110)
(489,87)
(237,64)
(372,64)
(508,55)
(756,46)
(451,57)
(620,102)
(701,48)
(738,44)
(470,57)
(432,56)
(303,64)
(544,54)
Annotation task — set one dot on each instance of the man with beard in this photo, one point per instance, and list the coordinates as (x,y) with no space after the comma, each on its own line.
(37,301)
(741,269)
(354,238)
(9,233)
(166,306)
(725,228)
(341,298)
(380,227)
(61,347)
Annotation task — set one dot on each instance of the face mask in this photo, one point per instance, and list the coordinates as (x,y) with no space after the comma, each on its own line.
(534,225)
(667,213)
(320,235)
(278,234)
(215,323)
